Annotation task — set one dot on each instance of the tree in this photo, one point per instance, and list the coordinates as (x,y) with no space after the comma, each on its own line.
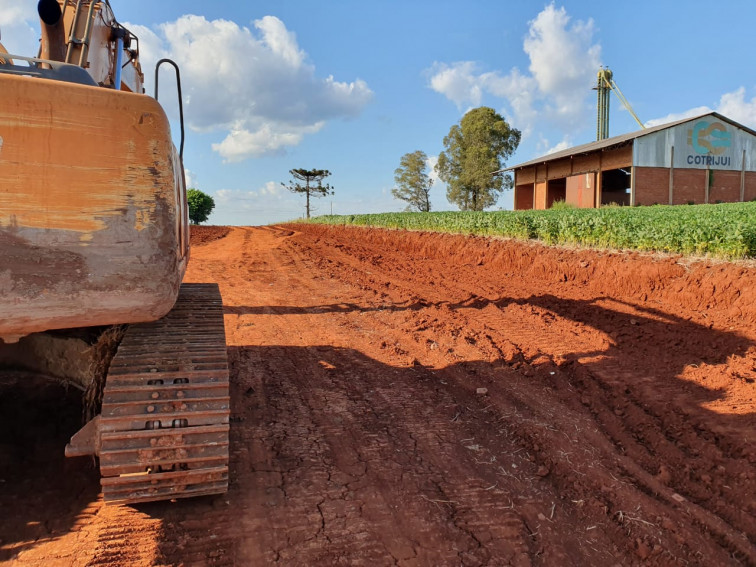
(200,205)
(412,183)
(474,149)
(310,178)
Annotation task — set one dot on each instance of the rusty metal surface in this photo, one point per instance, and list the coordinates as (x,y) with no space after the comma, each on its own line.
(91,207)
(86,441)
(165,413)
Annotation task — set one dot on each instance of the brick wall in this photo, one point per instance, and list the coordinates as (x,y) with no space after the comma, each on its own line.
(651,185)
(725,186)
(750,185)
(690,186)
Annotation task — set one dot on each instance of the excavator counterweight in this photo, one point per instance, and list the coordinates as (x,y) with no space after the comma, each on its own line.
(94,234)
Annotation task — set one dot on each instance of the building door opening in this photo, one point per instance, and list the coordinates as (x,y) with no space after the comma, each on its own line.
(615,186)
(557,191)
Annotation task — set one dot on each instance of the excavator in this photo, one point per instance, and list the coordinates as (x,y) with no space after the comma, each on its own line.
(94,244)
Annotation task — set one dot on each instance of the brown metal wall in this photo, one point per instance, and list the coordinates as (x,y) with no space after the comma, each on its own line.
(541,192)
(560,168)
(616,158)
(585,164)
(566,168)
(581,190)
(526,175)
(523,198)
(541,172)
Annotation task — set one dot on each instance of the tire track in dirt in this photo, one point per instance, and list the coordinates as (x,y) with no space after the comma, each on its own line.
(369,435)
(380,406)
(358,435)
(653,422)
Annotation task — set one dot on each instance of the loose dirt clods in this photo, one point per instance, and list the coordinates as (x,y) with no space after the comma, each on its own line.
(616,427)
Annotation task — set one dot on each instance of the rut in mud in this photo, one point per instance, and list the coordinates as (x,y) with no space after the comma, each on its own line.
(423,399)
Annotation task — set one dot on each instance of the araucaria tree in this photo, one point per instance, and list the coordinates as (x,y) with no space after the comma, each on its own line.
(412,183)
(200,205)
(473,150)
(313,184)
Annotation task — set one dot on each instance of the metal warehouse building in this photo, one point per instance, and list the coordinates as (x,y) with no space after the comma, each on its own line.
(704,159)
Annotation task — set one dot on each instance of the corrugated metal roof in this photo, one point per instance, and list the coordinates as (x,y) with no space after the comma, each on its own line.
(619,140)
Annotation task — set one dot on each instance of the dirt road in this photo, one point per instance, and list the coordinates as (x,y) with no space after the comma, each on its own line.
(413,399)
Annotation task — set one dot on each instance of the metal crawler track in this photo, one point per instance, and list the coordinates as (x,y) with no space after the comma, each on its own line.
(165,411)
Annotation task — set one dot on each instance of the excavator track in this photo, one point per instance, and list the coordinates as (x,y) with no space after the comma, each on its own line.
(165,413)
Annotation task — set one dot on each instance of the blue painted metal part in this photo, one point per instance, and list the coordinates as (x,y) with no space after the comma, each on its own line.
(119,63)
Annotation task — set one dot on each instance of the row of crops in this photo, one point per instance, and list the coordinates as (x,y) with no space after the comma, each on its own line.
(726,230)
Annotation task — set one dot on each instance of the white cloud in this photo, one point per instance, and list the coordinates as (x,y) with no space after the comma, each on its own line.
(272,189)
(521,92)
(458,82)
(269,203)
(151,50)
(563,65)
(732,105)
(430,164)
(563,62)
(675,116)
(19,31)
(190,179)
(257,85)
(281,41)
(563,145)
(263,140)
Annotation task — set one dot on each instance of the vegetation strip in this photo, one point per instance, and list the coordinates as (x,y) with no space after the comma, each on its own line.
(726,230)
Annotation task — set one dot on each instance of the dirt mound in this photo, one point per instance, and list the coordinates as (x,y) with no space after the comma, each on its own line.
(200,234)
(729,288)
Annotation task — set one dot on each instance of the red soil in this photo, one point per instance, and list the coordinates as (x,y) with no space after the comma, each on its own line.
(201,234)
(424,399)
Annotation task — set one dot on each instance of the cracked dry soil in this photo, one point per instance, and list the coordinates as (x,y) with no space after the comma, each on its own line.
(423,399)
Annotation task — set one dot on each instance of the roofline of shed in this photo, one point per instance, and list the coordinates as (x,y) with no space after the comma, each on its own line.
(616,141)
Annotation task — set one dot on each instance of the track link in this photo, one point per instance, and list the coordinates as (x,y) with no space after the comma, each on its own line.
(165,411)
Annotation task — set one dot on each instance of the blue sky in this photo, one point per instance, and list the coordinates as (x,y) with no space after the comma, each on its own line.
(352,86)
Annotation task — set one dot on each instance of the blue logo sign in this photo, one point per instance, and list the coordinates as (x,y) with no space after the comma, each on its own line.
(709,138)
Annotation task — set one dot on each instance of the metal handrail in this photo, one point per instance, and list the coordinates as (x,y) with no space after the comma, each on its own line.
(45,68)
(180,101)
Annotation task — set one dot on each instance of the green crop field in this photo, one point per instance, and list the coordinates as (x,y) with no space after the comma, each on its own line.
(726,230)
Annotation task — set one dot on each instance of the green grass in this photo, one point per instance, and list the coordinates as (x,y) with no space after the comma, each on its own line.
(725,230)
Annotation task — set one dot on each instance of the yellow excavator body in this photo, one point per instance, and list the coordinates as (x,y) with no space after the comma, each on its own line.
(93,238)
(93,218)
